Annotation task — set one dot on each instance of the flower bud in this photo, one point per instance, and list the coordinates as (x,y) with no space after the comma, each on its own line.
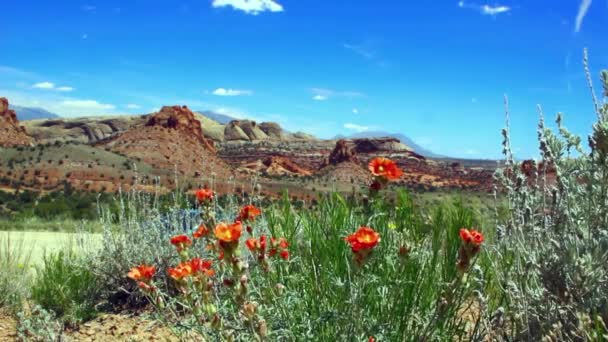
(280,288)
(262,328)
(249,309)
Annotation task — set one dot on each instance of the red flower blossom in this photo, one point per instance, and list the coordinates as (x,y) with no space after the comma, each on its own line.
(200,232)
(228,233)
(203,195)
(363,239)
(181,241)
(471,244)
(248,213)
(180,272)
(142,273)
(201,266)
(252,244)
(384,168)
(472,237)
(285,254)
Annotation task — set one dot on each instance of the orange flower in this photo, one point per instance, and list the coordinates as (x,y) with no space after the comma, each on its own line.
(181,239)
(465,235)
(228,233)
(472,237)
(363,239)
(142,273)
(279,245)
(252,244)
(477,237)
(180,272)
(199,265)
(263,243)
(203,195)
(145,286)
(385,168)
(200,232)
(248,213)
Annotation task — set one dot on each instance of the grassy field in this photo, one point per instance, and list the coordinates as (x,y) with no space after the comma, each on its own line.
(35,244)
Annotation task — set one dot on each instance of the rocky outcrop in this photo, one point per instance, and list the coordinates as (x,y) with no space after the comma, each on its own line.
(83,130)
(341,153)
(275,166)
(11,133)
(273,130)
(182,119)
(373,145)
(244,130)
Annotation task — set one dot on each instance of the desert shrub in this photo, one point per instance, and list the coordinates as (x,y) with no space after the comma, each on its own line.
(551,258)
(38,325)
(66,286)
(135,232)
(14,274)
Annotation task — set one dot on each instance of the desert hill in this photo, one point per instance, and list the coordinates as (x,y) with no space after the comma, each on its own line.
(11,132)
(103,153)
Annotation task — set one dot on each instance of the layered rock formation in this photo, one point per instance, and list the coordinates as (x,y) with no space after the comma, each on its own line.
(340,154)
(172,139)
(275,166)
(182,119)
(11,133)
(83,130)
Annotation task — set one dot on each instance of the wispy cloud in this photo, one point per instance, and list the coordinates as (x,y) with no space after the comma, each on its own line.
(133,106)
(231,92)
(580,16)
(368,50)
(254,7)
(355,127)
(323,94)
(88,8)
(355,111)
(14,72)
(87,105)
(363,50)
(51,86)
(485,9)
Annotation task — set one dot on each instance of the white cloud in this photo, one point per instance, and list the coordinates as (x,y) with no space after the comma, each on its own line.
(355,127)
(87,105)
(582,12)
(355,111)
(44,85)
(133,106)
(471,152)
(51,86)
(250,6)
(322,94)
(231,92)
(57,103)
(485,9)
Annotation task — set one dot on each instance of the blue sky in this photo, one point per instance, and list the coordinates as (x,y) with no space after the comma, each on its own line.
(433,70)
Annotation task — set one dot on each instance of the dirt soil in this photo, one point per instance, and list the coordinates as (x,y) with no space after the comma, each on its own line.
(106,327)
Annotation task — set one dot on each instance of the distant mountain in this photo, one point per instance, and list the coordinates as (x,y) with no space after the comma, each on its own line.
(404,139)
(29,113)
(221,118)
